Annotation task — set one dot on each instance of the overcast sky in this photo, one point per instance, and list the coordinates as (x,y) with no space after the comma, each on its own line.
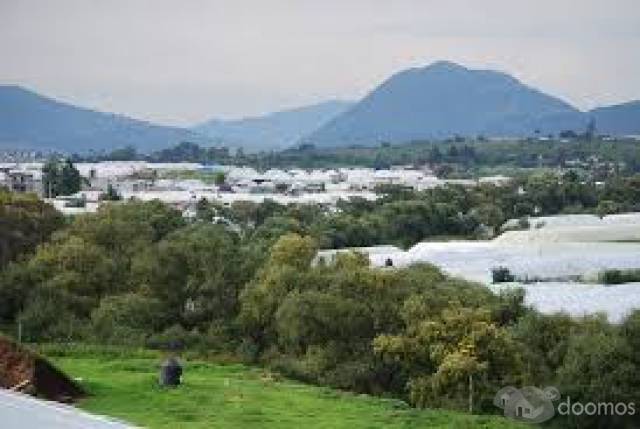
(183,61)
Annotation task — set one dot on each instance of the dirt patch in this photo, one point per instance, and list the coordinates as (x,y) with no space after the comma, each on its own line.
(25,371)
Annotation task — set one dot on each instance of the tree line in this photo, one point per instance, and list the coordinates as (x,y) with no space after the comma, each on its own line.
(464,154)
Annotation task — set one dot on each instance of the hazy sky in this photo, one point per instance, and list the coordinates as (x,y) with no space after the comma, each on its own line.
(183,61)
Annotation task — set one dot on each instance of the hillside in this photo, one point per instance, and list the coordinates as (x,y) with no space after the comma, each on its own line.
(236,396)
(31,121)
(446,99)
(274,131)
(621,119)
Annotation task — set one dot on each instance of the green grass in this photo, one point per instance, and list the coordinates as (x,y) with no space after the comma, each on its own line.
(237,396)
(207,177)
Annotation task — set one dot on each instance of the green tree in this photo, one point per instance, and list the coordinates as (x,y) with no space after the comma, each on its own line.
(60,179)
(606,207)
(51,178)
(445,353)
(286,269)
(51,314)
(88,260)
(220,178)
(599,367)
(127,319)
(313,318)
(196,274)
(70,179)
(25,222)
(546,338)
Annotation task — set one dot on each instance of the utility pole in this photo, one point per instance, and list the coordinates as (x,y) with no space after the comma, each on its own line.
(19,330)
(470,394)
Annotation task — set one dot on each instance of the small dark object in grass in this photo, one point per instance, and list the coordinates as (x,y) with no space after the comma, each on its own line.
(170,373)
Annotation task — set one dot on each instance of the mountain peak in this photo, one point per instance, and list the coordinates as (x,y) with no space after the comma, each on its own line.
(446,66)
(444,99)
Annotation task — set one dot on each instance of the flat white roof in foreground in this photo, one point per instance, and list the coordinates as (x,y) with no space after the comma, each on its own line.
(18,411)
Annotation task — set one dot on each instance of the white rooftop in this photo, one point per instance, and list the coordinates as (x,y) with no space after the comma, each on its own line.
(557,254)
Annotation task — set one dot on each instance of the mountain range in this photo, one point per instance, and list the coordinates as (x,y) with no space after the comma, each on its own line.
(30,121)
(621,119)
(437,101)
(274,131)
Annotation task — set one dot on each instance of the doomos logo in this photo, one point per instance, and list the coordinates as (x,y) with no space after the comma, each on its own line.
(528,404)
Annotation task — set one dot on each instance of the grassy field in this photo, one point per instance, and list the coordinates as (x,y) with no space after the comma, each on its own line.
(207,177)
(237,396)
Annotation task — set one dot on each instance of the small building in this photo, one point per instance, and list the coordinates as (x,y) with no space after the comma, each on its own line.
(24,181)
(261,186)
(314,187)
(225,187)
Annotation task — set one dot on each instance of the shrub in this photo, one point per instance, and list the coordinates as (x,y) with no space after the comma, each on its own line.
(248,351)
(523,223)
(126,319)
(175,338)
(502,275)
(48,315)
(616,277)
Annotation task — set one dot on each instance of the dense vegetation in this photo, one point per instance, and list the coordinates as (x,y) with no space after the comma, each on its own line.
(461,156)
(405,217)
(60,178)
(458,156)
(242,281)
(25,222)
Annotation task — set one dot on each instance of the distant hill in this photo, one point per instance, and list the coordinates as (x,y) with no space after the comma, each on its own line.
(620,119)
(31,121)
(445,99)
(274,131)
